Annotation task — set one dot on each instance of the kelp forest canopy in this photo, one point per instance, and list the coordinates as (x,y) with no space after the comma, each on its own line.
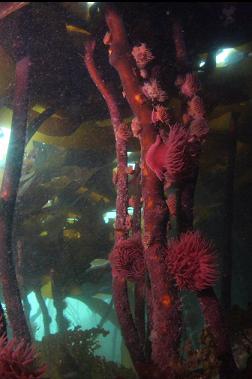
(125,148)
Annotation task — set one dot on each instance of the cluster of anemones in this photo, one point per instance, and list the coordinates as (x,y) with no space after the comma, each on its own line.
(192,261)
(17,360)
(127,259)
(151,89)
(173,157)
(194,118)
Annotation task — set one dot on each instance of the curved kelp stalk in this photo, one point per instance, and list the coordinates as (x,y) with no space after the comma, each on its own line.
(37,122)
(44,311)
(195,122)
(166,323)
(122,133)
(6,8)
(9,190)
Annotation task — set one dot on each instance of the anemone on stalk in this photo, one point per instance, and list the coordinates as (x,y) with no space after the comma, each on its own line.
(192,261)
(153,91)
(196,107)
(160,114)
(127,259)
(199,129)
(191,85)
(171,203)
(169,160)
(136,127)
(17,360)
(142,55)
(176,159)
(123,132)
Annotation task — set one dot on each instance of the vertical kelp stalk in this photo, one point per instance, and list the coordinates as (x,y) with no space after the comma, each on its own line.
(166,315)
(185,192)
(20,280)
(3,324)
(59,302)
(213,315)
(9,190)
(139,295)
(180,47)
(229,205)
(45,314)
(209,302)
(139,287)
(120,131)
(120,290)
(137,204)
(105,316)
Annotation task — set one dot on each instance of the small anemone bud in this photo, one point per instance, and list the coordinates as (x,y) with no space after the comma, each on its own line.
(143,73)
(107,39)
(186,118)
(132,202)
(142,55)
(196,107)
(199,129)
(179,81)
(172,204)
(128,222)
(115,176)
(136,127)
(123,132)
(153,91)
(130,170)
(191,85)
(160,114)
